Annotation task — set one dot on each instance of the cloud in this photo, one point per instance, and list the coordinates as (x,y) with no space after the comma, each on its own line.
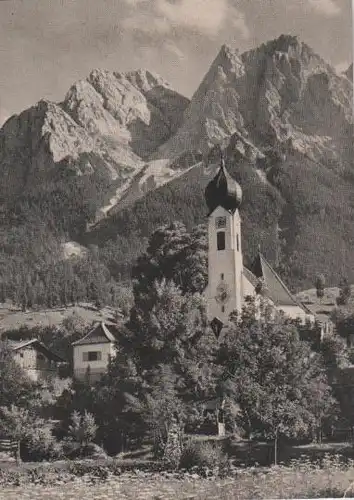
(144,22)
(205,17)
(134,3)
(172,48)
(328,8)
(238,21)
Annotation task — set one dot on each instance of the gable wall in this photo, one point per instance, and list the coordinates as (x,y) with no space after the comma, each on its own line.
(97,368)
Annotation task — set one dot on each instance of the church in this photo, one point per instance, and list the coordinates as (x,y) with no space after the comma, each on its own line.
(229,281)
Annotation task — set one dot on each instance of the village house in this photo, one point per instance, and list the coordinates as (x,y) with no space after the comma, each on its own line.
(39,363)
(92,353)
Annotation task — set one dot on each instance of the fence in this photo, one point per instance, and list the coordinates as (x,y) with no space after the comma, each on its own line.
(11,446)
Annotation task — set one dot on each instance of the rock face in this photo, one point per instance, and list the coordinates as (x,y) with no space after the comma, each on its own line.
(279,93)
(137,132)
(109,123)
(349,73)
(138,109)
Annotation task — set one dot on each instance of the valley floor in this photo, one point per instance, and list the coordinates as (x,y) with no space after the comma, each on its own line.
(302,481)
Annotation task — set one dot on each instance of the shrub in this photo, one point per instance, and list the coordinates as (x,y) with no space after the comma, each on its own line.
(40,445)
(83,428)
(204,456)
(73,450)
(95,471)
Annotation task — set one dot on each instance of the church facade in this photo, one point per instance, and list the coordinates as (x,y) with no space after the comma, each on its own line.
(229,281)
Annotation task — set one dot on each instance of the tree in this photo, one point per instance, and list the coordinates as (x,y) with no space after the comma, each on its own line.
(114,403)
(83,428)
(344,292)
(165,324)
(175,255)
(162,407)
(320,286)
(19,424)
(275,378)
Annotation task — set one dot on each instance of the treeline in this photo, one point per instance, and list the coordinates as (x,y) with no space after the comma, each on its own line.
(34,272)
(66,203)
(290,208)
(303,228)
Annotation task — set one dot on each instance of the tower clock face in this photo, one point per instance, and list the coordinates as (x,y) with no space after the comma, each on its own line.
(222,293)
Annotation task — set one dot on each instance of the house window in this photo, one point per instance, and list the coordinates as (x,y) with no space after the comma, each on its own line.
(21,354)
(220,239)
(220,222)
(223,309)
(92,356)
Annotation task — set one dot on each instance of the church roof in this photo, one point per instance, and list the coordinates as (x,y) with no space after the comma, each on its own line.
(223,191)
(275,289)
(98,335)
(250,276)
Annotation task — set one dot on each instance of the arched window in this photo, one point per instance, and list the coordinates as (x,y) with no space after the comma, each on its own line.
(220,240)
(237,242)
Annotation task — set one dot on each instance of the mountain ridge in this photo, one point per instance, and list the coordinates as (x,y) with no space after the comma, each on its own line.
(130,144)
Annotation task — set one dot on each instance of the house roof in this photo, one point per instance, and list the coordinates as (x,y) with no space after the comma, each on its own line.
(98,335)
(275,289)
(35,344)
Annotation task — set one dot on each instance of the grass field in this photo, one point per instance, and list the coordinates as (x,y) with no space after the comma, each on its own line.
(327,303)
(301,480)
(11,318)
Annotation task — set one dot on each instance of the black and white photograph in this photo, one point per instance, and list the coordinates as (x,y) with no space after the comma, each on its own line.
(176,249)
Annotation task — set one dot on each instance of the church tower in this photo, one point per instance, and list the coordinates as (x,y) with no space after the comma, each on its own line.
(224,293)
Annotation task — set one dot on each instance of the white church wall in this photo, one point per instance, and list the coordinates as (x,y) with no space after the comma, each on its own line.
(225,265)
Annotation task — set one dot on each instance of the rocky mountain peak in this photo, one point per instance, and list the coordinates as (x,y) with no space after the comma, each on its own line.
(349,73)
(280,92)
(145,80)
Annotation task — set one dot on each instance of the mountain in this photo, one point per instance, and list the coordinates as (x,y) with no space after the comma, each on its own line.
(124,153)
(278,93)
(349,72)
(284,119)
(107,124)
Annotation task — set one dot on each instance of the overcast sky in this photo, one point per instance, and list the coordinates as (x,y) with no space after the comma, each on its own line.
(46,45)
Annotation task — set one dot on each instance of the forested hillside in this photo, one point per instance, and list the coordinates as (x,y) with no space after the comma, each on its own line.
(124,154)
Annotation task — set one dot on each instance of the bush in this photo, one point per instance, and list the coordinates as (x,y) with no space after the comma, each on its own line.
(74,450)
(40,445)
(204,456)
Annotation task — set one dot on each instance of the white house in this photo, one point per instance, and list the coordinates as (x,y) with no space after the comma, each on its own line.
(92,353)
(39,362)
(229,281)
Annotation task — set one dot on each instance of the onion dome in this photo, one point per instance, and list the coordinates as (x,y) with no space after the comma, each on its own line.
(223,191)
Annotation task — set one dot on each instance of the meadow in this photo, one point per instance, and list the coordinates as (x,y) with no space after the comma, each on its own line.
(330,477)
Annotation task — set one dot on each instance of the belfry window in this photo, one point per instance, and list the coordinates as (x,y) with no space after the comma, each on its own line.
(220,240)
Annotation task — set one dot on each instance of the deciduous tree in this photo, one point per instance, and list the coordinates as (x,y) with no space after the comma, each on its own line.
(275,378)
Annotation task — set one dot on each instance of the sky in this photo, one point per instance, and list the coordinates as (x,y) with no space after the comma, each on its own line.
(47,45)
